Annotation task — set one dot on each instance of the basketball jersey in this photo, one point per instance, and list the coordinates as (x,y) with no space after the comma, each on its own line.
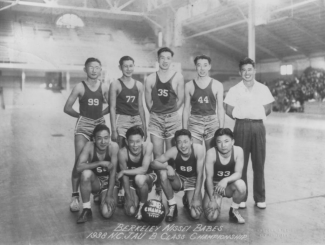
(132,165)
(127,100)
(163,96)
(186,168)
(91,103)
(203,101)
(100,171)
(220,170)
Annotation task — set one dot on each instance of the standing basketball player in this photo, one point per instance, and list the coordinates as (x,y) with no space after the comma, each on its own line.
(126,106)
(92,94)
(164,95)
(134,161)
(97,165)
(203,95)
(224,165)
(187,174)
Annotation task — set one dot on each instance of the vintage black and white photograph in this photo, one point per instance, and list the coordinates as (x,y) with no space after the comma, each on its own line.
(162,122)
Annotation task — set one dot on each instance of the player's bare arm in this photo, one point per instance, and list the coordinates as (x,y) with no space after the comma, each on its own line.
(209,171)
(122,159)
(113,92)
(85,155)
(160,163)
(145,163)
(105,90)
(199,152)
(187,103)
(218,89)
(113,152)
(141,109)
(268,108)
(77,92)
(149,83)
(179,89)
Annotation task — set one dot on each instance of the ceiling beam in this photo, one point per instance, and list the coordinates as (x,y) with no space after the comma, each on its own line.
(217,29)
(258,46)
(305,30)
(108,11)
(281,40)
(233,48)
(293,6)
(125,4)
(9,6)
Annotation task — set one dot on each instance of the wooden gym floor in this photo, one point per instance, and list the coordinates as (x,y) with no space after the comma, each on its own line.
(36,158)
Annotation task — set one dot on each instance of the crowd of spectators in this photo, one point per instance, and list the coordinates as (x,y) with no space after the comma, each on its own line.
(290,95)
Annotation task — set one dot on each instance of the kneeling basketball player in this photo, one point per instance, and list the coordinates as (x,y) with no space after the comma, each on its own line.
(187,174)
(97,165)
(134,161)
(224,165)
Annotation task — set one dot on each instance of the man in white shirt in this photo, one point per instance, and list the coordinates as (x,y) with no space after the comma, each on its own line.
(250,102)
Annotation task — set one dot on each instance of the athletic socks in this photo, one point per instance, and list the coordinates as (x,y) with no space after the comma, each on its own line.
(75,194)
(171,201)
(235,205)
(86,205)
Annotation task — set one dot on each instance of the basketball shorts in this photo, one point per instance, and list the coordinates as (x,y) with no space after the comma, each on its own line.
(124,122)
(203,127)
(152,179)
(85,126)
(164,126)
(103,183)
(187,183)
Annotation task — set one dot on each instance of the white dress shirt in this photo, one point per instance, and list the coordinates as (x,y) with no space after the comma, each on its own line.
(249,104)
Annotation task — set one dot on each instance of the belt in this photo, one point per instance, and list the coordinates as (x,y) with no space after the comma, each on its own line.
(249,120)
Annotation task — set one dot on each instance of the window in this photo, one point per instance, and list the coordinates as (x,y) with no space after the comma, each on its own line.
(286,70)
(70,21)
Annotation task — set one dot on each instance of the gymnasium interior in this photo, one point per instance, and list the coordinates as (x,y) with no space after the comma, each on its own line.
(43,47)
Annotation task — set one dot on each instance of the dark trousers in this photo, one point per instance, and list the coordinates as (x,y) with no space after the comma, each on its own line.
(250,135)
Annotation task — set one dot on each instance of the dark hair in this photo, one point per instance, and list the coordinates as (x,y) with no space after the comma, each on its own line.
(223,131)
(202,57)
(134,131)
(92,60)
(99,128)
(246,61)
(182,132)
(125,58)
(165,49)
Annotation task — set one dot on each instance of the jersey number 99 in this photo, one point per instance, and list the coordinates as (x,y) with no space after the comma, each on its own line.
(94,102)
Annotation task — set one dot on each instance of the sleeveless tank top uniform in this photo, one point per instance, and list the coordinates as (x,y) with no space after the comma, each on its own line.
(127,100)
(91,103)
(132,165)
(163,96)
(221,171)
(186,168)
(203,101)
(101,172)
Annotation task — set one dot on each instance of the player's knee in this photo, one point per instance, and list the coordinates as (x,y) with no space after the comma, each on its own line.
(163,175)
(240,186)
(85,175)
(107,211)
(212,216)
(140,180)
(195,214)
(130,211)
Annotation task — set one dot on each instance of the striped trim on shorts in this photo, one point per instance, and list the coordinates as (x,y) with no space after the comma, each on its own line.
(85,126)
(164,126)
(187,183)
